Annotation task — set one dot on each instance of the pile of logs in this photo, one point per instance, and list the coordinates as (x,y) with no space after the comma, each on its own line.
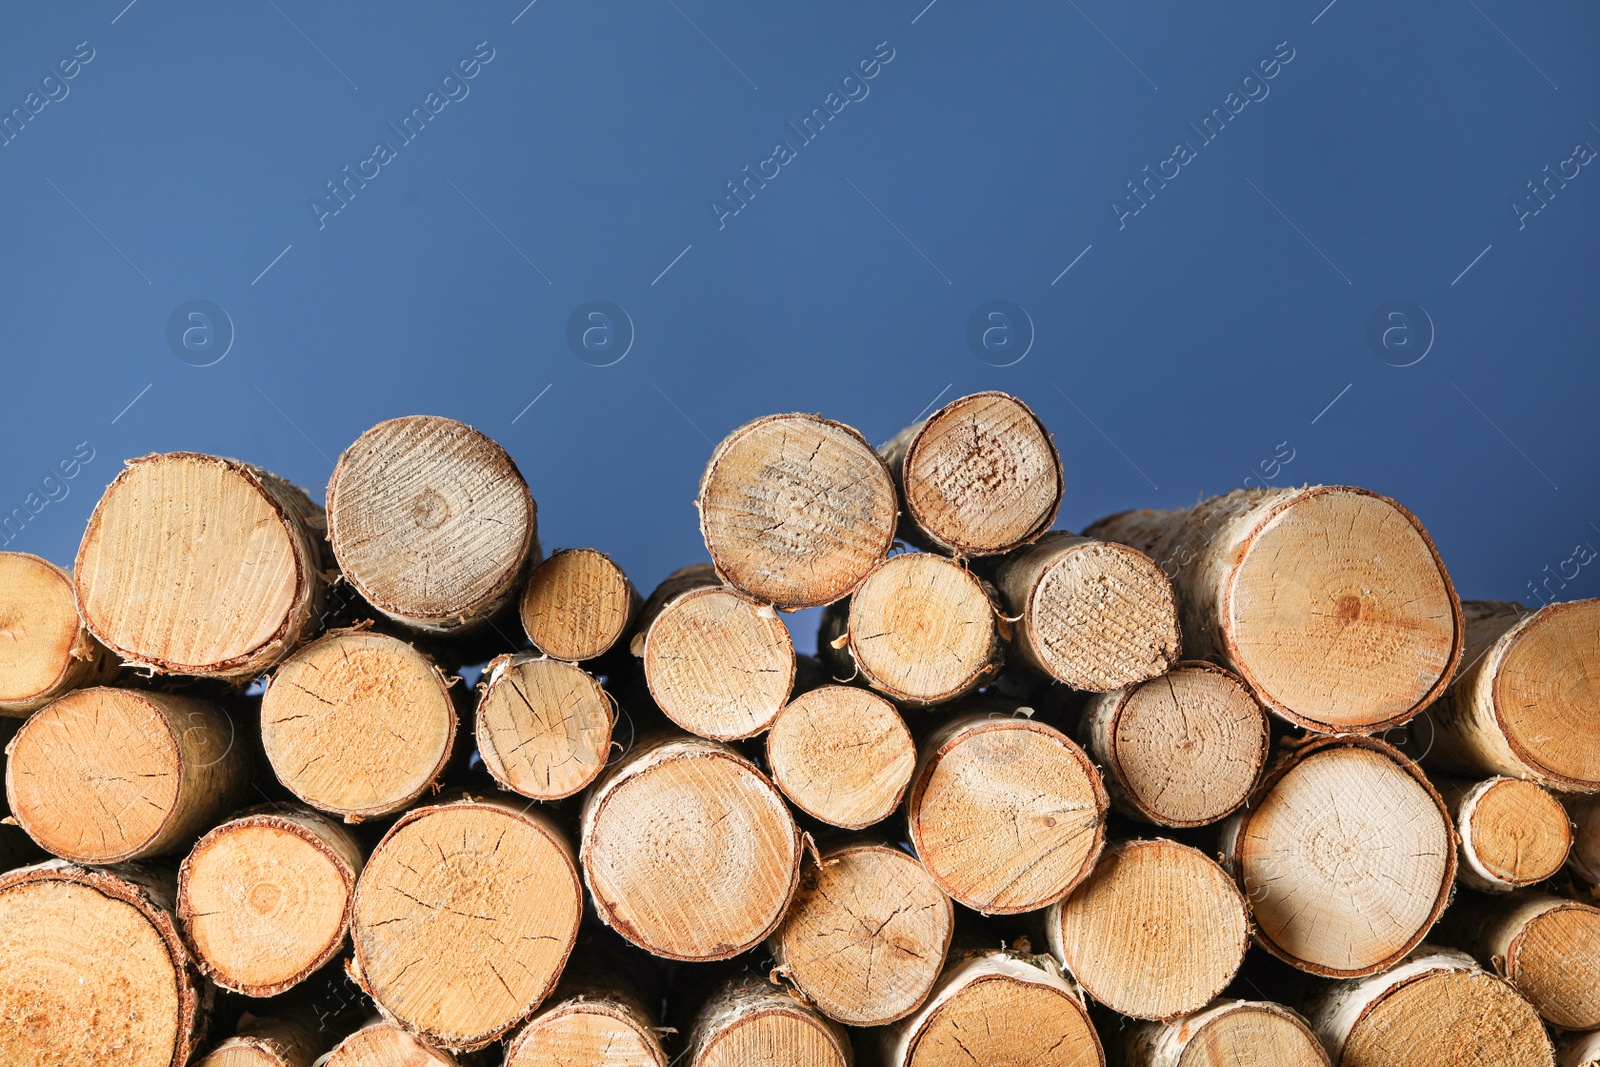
(1238,784)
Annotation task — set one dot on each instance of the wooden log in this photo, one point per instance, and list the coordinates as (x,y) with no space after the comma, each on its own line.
(1007,814)
(1435,1009)
(1547,946)
(867,934)
(1156,931)
(449,940)
(979,476)
(45,651)
(688,850)
(1331,602)
(16,847)
(577,605)
(1584,858)
(1346,854)
(749,1022)
(997,1008)
(1184,749)
(358,724)
(1524,704)
(383,1044)
(286,1038)
(543,725)
(107,775)
(1512,833)
(431,522)
(1094,615)
(199,565)
(842,755)
(922,629)
(716,664)
(599,1016)
(92,970)
(1226,1033)
(796,510)
(264,900)
(1579,1050)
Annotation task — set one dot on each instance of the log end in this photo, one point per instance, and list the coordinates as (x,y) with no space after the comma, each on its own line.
(1545,691)
(842,755)
(577,604)
(717,665)
(44,649)
(543,726)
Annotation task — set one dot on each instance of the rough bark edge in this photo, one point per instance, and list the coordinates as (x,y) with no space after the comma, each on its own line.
(747,997)
(616,1004)
(374,1023)
(888,810)
(1163,1043)
(493,675)
(89,663)
(635,602)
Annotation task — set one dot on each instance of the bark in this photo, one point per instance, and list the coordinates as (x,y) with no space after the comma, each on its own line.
(1584,859)
(543,725)
(577,605)
(1226,1033)
(1512,833)
(1579,1050)
(842,755)
(749,1022)
(45,651)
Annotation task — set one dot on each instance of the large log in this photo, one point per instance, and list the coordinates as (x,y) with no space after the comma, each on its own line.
(194,564)
(1547,946)
(796,510)
(1226,1033)
(842,754)
(749,1022)
(1512,832)
(431,522)
(543,725)
(577,604)
(44,649)
(1331,602)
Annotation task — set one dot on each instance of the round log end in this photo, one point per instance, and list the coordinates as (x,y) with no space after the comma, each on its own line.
(1554,961)
(1251,1032)
(577,604)
(381,1044)
(1513,834)
(1545,691)
(842,755)
(543,726)
(44,649)
(748,1022)
(585,1032)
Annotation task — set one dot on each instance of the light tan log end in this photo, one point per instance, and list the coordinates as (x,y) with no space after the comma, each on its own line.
(44,649)
(577,604)
(382,1044)
(842,755)
(1550,949)
(1227,1033)
(587,1030)
(1513,833)
(543,726)
(749,1022)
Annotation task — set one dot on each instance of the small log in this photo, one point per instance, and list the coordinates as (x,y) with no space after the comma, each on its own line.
(1584,858)
(1435,1009)
(1524,704)
(749,1022)
(286,1038)
(383,1044)
(842,755)
(1184,749)
(1094,615)
(1227,1033)
(264,899)
(431,522)
(199,565)
(717,664)
(1547,946)
(1007,814)
(358,724)
(1512,832)
(866,936)
(796,510)
(107,775)
(997,1008)
(543,725)
(979,476)
(1579,1050)
(599,1016)
(1330,602)
(44,649)
(1157,930)
(688,850)
(577,604)
(92,970)
(922,629)
(1346,854)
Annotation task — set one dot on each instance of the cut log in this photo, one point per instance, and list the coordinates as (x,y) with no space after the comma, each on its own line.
(431,522)
(1007,814)
(106,775)
(451,938)
(44,649)
(1584,859)
(1094,615)
(597,1017)
(921,629)
(383,1044)
(1512,832)
(1436,1009)
(979,476)
(866,936)
(193,564)
(92,971)
(16,847)
(1184,749)
(1524,704)
(358,724)
(265,898)
(1547,946)
(688,850)
(997,1008)
(1579,1050)
(749,1022)
(1331,602)
(717,664)
(1157,930)
(796,510)
(544,725)
(577,604)
(1227,1033)
(842,755)
(286,1039)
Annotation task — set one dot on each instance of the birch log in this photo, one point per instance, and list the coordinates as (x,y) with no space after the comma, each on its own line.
(597,1017)
(1512,832)
(749,1022)
(1579,1050)
(543,725)
(431,522)
(193,564)
(577,604)
(383,1044)
(1547,946)
(979,476)
(796,510)
(44,649)
(1094,615)
(286,1039)
(842,755)
(1227,1033)
(16,847)
(1331,602)
(1584,859)
(107,775)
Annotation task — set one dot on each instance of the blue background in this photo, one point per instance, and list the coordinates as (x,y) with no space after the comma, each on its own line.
(1198,338)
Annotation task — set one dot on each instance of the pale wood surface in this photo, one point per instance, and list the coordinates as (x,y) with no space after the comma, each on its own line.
(577,604)
(1512,833)
(1226,1033)
(44,649)
(842,754)
(749,1022)
(543,725)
